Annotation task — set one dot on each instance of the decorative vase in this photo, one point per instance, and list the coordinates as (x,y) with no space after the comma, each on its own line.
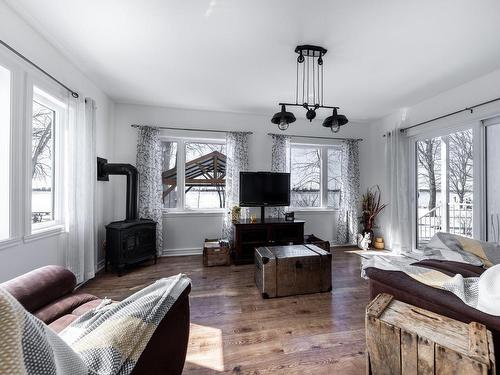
(379,243)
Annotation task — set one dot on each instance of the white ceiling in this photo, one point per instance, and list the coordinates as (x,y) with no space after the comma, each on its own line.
(235,55)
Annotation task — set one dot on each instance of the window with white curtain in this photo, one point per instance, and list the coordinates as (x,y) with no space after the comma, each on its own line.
(315,176)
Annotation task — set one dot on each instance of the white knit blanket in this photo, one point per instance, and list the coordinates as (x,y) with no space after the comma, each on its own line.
(106,340)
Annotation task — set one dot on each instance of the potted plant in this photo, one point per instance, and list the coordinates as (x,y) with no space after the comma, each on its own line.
(371,207)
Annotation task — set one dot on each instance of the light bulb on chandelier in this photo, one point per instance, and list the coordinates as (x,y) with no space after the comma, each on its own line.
(283,125)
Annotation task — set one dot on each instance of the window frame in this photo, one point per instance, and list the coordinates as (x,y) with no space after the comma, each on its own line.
(181,162)
(478,205)
(323,174)
(47,94)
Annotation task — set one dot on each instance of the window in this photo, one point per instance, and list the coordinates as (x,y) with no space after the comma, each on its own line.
(444,185)
(194,174)
(315,176)
(47,112)
(5,120)
(305,167)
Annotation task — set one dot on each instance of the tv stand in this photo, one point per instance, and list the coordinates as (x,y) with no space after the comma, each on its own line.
(267,232)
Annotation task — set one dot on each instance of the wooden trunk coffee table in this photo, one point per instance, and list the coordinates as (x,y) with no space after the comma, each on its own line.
(289,270)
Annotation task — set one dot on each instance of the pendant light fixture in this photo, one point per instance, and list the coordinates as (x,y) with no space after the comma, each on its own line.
(309,88)
(283,118)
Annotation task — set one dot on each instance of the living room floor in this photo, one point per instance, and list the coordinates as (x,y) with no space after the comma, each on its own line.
(235,331)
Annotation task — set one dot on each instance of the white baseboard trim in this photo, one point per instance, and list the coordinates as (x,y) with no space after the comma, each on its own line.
(179,252)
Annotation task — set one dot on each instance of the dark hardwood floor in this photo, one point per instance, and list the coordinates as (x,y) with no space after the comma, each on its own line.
(235,331)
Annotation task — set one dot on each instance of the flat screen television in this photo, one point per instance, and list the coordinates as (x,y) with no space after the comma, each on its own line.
(259,189)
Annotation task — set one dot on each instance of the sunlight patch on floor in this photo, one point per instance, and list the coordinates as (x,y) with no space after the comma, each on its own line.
(205,347)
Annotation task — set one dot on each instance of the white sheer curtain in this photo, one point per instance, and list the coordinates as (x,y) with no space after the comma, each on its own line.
(80,182)
(397,162)
(236,162)
(280,162)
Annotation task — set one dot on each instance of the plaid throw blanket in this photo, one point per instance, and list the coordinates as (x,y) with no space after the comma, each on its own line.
(106,340)
(476,292)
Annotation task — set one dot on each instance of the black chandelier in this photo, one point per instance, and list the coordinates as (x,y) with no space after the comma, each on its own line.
(309,89)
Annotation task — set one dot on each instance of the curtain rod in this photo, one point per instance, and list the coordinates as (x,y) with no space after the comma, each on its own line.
(316,137)
(187,129)
(471,109)
(74,94)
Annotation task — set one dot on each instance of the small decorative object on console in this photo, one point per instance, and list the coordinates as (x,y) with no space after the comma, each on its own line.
(289,216)
(216,253)
(364,241)
(379,243)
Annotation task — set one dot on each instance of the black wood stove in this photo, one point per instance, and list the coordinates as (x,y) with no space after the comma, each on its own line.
(131,240)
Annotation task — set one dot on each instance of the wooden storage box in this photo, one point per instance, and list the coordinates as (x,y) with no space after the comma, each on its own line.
(216,253)
(404,339)
(289,270)
(313,240)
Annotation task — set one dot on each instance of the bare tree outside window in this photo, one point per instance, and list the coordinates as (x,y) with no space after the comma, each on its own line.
(460,164)
(429,168)
(445,207)
(42,163)
(305,170)
(334,177)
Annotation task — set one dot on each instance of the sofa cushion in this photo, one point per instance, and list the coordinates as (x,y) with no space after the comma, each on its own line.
(59,324)
(40,287)
(62,306)
(82,309)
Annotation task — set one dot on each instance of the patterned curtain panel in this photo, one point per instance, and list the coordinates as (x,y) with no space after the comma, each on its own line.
(149,165)
(347,225)
(280,163)
(236,162)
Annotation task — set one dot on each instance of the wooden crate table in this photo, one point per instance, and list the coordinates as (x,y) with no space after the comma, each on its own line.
(404,339)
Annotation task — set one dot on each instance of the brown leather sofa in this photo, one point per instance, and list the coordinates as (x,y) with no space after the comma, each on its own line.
(408,290)
(49,294)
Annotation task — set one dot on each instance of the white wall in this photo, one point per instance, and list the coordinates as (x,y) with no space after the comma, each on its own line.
(184,233)
(373,168)
(16,32)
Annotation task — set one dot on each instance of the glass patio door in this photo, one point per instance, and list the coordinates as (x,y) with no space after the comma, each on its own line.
(444,185)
